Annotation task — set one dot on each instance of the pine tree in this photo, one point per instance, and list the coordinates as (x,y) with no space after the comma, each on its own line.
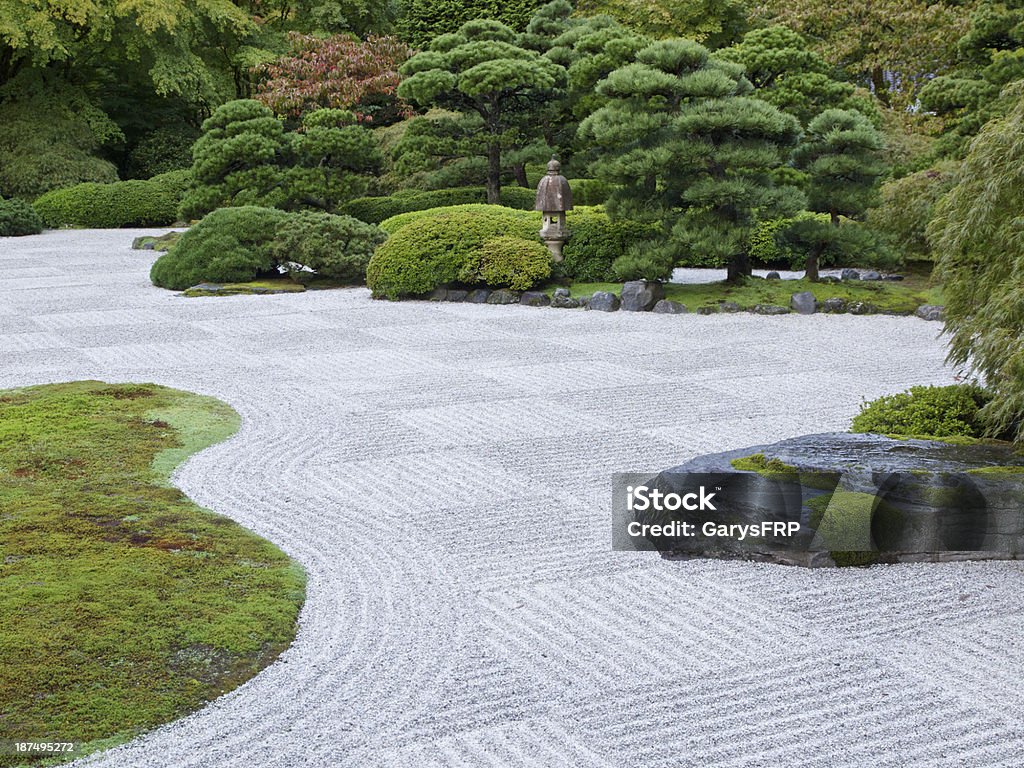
(841,154)
(692,149)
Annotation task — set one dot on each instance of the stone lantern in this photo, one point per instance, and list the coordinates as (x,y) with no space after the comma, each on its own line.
(554,198)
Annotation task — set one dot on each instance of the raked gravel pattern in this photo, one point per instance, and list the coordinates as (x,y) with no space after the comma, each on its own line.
(443,471)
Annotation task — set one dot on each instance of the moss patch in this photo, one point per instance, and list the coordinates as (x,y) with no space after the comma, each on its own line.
(255,287)
(762,465)
(122,604)
(902,297)
(996,471)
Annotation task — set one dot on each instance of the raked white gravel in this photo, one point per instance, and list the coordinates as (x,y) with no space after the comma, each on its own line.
(442,473)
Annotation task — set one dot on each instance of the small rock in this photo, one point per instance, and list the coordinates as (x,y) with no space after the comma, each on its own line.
(666,307)
(834,305)
(603,301)
(641,295)
(503,296)
(803,303)
(438,294)
(478,296)
(728,306)
(707,310)
(562,292)
(770,309)
(931,312)
(564,301)
(773,276)
(457,295)
(583,300)
(535,299)
(871,275)
(862,308)
(850,274)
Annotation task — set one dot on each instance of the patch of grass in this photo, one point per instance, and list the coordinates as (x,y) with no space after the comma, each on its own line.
(160,243)
(759,463)
(892,297)
(122,604)
(996,471)
(254,287)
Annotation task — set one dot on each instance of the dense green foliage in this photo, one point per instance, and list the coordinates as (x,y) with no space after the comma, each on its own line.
(596,242)
(521,217)
(690,147)
(767,248)
(495,86)
(122,204)
(230,245)
(908,204)
(953,411)
(978,239)
(841,155)
(377,209)
(337,247)
(711,22)
(424,20)
(441,249)
(18,218)
(122,604)
(161,151)
(246,157)
(512,262)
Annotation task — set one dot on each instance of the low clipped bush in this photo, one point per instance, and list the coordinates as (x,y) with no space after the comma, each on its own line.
(590,191)
(764,248)
(18,218)
(394,223)
(338,247)
(596,242)
(376,209)
(230,245)
(440,249)
(511,262)
(950,411)
(149,203)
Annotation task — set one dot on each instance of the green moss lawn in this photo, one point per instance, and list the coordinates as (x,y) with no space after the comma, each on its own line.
(123,605)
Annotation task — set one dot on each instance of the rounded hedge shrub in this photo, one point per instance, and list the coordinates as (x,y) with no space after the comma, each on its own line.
(950,411)
(377,209)
(596,242)
(18,218)
(110,206)
(511,262)
(439,249)
(395,223)
(230,245)
(338,247)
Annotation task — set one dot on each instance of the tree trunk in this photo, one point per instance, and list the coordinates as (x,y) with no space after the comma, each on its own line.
(519,171)
(739,266)
(494,173)
(812,262)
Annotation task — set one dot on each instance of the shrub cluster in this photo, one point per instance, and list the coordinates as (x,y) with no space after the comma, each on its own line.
(377,209)
(449,247)
(395,223)
(18,218)
(596,242)
(233,245)
(926,412)
(122,204)
(511,262)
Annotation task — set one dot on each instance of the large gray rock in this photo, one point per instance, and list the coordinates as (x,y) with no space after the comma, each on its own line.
(871,275)
(850,274)
(859,498)
(457,294)
(834,305)
(562,292)
(729,306)
(478,296)
(770,309)
(931,312)
(708,310)
(564,300)
(641,295)
(603,301)
(666,307)
(503,296)
(803,303)
(438,294)
(862,308)
(773,276)
(535,299)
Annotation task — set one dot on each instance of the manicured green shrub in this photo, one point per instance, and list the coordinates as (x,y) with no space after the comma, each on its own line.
(927,412)
(596,242)
(590,191)
(766,250)
(511,262)
(121,204)
(18,218)
(376,209)
(532,218)
(338,247)
(436,250)
(230,245)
